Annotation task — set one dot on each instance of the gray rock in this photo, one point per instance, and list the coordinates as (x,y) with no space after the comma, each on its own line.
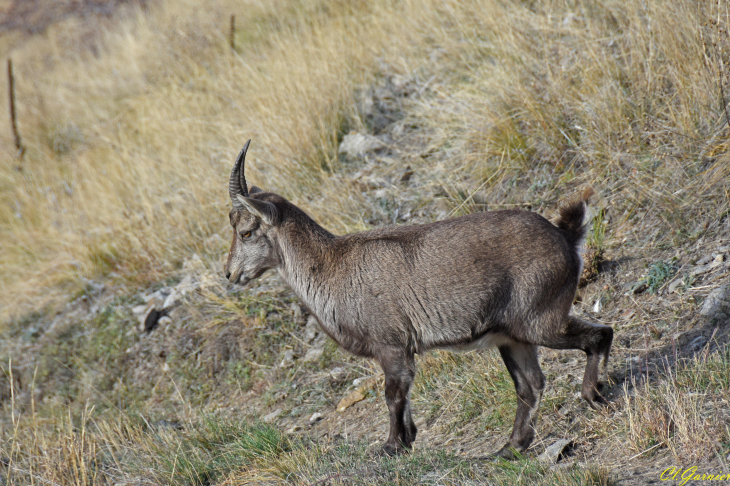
(171,300)
(296,310)
(553,453)
(158,297)
(140,310)
(312,330)
(356,145)
(288,360)
(316,417)
(294,428)
(704,260)
(672,287)
(717,303)
(314,353)
(359,381)
(700,269)
(338,374)
(272,416)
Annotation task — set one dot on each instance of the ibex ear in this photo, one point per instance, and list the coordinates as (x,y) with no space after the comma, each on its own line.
(262,209)
(255,190)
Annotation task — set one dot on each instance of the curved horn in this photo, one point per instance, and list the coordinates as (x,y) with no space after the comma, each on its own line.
(237,184)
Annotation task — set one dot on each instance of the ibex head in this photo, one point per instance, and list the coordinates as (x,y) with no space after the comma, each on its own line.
(252,218)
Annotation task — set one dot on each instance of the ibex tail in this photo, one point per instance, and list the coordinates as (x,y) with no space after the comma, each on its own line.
(571,218)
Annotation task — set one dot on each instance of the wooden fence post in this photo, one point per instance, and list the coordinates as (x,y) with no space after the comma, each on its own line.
(232,37)
(13,119)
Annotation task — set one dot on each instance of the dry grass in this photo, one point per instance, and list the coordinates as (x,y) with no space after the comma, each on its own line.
(129,140)
(131,127)
(682,411)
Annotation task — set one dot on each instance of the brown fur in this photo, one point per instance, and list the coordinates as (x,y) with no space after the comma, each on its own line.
(502,278)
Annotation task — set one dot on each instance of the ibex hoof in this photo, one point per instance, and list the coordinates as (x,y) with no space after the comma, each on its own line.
(594,397)
(392,450)
(508,453)
(597,402)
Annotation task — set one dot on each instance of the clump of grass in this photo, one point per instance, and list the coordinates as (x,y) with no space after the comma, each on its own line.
(658,274)
(677,412)
(212,450)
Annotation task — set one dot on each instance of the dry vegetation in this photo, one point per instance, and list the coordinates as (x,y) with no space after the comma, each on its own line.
(131,124)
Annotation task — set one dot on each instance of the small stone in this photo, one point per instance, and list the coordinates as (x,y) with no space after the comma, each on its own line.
(272,416)
(293,429)
(338,374)
(296,310)
(350,399)
(674,285)
(165,367)
(316,417)
(171,300)
(140,309)
(356,145)
(313,354)
(717,303)
(700,269)
(364,380)
(719,258)
(312,329)
(704,260)
(553,453)
(288,360)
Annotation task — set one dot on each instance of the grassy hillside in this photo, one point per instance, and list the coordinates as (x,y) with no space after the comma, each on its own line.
(130,125)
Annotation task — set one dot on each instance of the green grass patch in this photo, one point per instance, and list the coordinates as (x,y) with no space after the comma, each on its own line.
(211,450)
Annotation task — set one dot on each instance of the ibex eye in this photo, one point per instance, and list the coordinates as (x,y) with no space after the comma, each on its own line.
(246,235)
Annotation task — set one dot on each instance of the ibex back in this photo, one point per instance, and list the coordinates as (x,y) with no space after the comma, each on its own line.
(501,278)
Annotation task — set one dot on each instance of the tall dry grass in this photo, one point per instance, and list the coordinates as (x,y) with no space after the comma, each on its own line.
(131,132)
(129,148)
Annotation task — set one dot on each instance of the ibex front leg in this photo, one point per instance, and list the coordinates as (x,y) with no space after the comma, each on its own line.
(524,368)
(399,369)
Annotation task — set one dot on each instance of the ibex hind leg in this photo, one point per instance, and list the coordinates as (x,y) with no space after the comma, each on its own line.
(524,368)
(595,340)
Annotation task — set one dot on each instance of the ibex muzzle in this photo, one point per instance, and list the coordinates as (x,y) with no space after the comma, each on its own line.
(501,278)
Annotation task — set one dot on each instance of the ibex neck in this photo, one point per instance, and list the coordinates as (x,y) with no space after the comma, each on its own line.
(307,265)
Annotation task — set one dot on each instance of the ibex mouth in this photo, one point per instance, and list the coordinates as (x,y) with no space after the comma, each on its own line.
(238,278)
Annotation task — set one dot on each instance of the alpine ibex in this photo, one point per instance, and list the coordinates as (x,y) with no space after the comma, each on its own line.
(498,278)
